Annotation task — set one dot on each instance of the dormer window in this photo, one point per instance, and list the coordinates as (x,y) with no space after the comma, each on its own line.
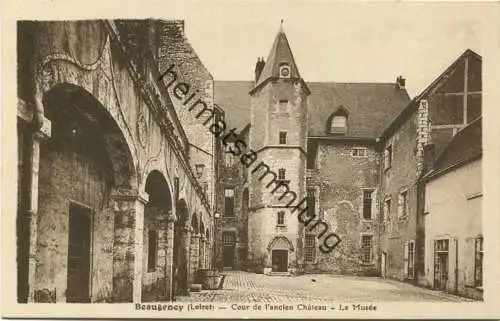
(338,122)
(285,71)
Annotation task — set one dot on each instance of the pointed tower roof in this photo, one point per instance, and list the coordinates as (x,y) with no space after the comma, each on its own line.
(280,54)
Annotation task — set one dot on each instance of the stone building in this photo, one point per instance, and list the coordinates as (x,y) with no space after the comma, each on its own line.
(453,189)
(409,146)
(115,185)
(356,151)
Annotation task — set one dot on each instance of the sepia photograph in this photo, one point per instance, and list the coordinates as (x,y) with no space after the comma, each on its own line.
(250,158)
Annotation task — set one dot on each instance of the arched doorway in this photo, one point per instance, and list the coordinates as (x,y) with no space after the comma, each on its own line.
(85,157)
(155,265)
(181,248)
(278,253)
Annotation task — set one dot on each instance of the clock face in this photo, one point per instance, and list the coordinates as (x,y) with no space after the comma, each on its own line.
(285,72)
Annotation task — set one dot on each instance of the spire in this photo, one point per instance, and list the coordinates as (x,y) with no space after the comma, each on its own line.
(280,54)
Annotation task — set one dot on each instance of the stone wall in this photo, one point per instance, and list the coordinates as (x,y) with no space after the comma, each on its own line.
(339,179)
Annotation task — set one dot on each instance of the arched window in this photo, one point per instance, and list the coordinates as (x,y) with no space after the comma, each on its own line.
(338,121)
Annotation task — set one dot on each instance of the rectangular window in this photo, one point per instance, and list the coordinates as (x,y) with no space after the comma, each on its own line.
(411,260)
(282,138)
(403,204)
(283,105)
(229,202)
(441,261)
(281,218)
(387,210)
(311,202)
(367,204)
(310,249)
(229,156)
(281,174)
(152,249)
(367,249)
(478,265)
(359,152)
(388,157)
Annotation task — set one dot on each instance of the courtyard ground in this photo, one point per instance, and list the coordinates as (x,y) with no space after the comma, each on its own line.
(249,287)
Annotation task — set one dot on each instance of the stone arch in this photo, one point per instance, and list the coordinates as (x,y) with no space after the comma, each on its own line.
(156,212)
(64,100)
(280,243)
(86,157)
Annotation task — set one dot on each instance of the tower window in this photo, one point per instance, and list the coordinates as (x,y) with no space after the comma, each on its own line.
(282,138)
(281,218)
(281,174)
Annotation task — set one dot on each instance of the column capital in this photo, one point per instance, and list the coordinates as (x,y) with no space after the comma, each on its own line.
(171,217)
(129,194)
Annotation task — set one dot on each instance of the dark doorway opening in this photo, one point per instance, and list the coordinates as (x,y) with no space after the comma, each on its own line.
(280,260)
(79,237)
(228,249)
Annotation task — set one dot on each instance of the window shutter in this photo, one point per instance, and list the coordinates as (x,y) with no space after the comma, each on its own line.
(469,256)
(452,252)
(405,255)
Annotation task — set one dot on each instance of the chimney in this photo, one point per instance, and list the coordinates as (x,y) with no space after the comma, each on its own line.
(400,82)
(259,66)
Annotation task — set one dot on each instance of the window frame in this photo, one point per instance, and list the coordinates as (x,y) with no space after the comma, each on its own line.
(388,156)
(478,282)
(403,203)
(371,192)
(282,137)
(226,213)
(362,249)
(364,149)
(280,216)
(310,257)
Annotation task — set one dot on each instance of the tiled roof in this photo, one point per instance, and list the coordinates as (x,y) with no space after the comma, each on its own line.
(465,146)
(371,106)
(280,54)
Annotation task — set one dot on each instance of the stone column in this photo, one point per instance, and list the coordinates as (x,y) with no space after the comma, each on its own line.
(186,244)
(169,254)
(207,254)
(32,211)
(201,262)
(128,207)
(161,283)
(194,253)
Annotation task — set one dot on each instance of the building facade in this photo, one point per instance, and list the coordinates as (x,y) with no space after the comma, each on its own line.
(112,205)
(453,188)
(358,152)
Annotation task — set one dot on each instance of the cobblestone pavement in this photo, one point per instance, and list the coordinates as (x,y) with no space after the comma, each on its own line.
(250,287)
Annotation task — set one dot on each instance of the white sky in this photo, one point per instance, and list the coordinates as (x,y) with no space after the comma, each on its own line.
(343,42)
